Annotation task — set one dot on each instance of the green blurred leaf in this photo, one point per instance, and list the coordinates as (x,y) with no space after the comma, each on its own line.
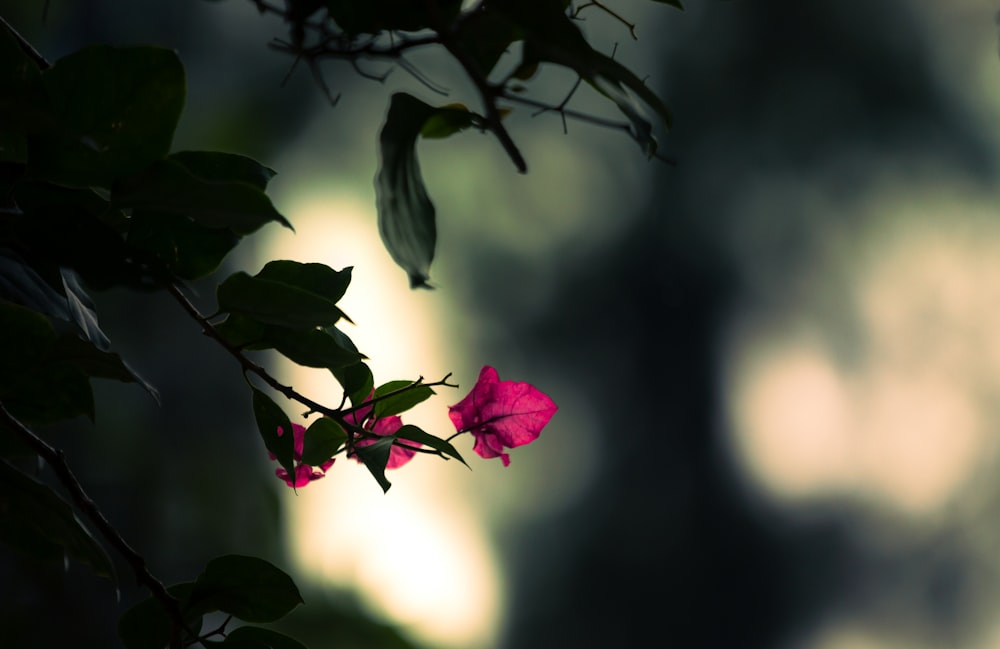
(407,395)
(416,434)
(375,456)
(447,120)
(168,187)
(147,625)
(405,212)
(270,419)
(248,588)
(323,438)
(672,3)
(36,520)
(116,111)
(255,636)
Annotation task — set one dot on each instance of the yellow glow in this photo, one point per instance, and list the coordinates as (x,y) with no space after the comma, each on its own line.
(903,420)
(417,555)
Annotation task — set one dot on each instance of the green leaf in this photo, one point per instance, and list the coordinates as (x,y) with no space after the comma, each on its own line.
(183,247)
(248,588)
(116,111)
(218,167)
(36,384)
(403,396)
(98,363)
(318,279)
(36,520)
(447,120)
(486,35)
(255,636)
(21,284)
(415,434)
(322,439)
(270,419)
(310,347)
(552,36)
(356,380)
(169,187)
(90,238)
(405,212)
(23,104)
(375,456)
(672,3)
(147,625)
(274,300)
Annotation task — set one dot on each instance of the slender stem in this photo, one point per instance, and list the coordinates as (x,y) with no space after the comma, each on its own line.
(56,458)
(25,46)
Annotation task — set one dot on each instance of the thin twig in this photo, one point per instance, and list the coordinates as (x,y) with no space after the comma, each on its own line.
(57,460)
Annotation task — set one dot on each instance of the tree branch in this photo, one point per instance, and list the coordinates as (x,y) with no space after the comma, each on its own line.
(57,460)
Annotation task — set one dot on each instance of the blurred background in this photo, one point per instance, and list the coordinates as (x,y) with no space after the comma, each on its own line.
(777,361)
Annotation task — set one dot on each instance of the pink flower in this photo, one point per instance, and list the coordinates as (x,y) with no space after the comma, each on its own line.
(304,474)
(398,455)
(501,414)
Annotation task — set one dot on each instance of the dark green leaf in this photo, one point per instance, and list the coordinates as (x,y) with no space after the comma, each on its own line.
(243,331)
(318,279)
(35,519)
(552,36)
(36,384)
(116,111)
(375,456)
(672,3)
(403,395)
(219,167)
(270,420)
(147,625)
(21,284)
(168,187)
(357,381)
(265,638)
(415,434)
(23,105)
(486,35)
(183,247)
(97,363)
(322,439)
(248,588)
(310,347)
(405,213)
(276,302)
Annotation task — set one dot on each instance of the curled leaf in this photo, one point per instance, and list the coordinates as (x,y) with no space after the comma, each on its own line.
(405,212)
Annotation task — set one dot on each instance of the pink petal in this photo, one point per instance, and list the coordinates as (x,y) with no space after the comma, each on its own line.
(501,414)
